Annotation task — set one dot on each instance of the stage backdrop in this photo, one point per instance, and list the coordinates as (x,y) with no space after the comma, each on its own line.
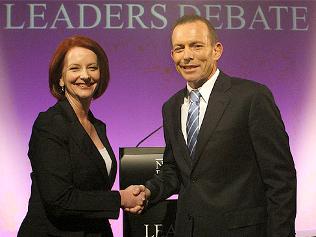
(272,42)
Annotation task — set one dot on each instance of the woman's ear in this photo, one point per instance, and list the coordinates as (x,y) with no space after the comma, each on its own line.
(61,82)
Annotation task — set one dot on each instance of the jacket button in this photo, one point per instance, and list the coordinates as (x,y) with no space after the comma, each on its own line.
(193,179)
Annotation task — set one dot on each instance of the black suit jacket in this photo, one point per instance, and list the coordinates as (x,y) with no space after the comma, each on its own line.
(242,181)
(70,193)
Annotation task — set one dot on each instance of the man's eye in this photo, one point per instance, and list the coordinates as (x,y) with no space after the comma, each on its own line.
(197,46)
(178,50)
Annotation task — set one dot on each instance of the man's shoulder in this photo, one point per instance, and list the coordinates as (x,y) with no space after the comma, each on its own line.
(243,85)
(235,80)
(175,99)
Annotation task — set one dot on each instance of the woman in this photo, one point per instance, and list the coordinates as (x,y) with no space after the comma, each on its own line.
(73,163)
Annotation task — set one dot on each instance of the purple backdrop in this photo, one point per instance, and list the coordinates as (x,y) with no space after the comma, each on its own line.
(267,41)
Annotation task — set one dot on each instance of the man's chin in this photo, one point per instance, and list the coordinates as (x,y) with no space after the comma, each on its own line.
(194,82)
(190,79)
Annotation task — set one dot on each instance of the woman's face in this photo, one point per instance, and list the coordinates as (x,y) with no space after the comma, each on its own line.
(81,74)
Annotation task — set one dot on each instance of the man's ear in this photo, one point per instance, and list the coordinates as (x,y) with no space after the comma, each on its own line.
(171,53)
(217,51)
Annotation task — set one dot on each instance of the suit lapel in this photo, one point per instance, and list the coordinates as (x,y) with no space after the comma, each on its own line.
(84,142)
(178,127)
(217,104)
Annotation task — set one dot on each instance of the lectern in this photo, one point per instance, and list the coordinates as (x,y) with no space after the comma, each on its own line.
(137,165)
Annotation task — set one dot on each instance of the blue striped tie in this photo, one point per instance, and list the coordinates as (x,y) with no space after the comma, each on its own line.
(193,121)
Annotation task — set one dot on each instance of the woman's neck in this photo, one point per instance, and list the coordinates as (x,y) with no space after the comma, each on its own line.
(81,107)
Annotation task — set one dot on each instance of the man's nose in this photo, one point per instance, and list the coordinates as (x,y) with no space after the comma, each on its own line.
(188,54)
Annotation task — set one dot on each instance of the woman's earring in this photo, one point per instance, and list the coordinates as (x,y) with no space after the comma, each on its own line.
(63,88)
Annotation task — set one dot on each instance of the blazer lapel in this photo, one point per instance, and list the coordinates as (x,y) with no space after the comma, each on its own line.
(217,103)
(178,128)
(101,130)
(85,144)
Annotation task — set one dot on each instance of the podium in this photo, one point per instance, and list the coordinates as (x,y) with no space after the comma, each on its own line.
(137,165)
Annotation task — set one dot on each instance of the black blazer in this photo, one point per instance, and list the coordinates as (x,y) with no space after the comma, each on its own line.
(242,181)
(70,193)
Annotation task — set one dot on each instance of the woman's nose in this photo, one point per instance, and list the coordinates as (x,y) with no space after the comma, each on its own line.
(84,74)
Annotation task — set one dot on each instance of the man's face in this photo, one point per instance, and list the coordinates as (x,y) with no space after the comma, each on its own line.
(194,56)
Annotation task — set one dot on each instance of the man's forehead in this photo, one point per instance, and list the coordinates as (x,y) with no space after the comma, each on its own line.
(191,31)
(194,24)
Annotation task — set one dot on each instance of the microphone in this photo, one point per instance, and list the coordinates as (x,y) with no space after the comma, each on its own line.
(157,129)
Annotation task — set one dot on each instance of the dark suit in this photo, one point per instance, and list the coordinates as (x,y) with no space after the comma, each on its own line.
(242,181)
(70,193)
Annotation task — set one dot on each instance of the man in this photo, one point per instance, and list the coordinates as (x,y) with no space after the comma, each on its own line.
(227,151)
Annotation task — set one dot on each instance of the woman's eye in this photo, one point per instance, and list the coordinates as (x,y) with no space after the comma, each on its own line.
(93,68)
(74,69)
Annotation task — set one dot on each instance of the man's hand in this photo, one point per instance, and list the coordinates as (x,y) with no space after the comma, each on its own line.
(139,192)
(133,198)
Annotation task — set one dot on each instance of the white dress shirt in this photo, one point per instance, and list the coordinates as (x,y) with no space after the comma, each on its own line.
(205,91)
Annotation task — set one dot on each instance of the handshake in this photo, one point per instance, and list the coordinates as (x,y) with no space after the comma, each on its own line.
(134,198)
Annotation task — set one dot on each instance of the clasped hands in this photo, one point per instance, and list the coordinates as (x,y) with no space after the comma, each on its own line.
(134,198)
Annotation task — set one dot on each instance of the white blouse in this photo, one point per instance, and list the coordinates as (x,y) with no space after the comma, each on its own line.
(107,159)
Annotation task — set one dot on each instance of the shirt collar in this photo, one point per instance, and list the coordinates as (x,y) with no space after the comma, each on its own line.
(206,89)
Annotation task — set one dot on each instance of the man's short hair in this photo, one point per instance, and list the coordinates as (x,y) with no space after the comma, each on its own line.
(193,18)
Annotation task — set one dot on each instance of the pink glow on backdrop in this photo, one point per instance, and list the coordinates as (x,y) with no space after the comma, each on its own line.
(13,170)
(306,162)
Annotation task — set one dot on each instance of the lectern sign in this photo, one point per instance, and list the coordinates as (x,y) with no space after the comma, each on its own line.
(159,162)
(156,230)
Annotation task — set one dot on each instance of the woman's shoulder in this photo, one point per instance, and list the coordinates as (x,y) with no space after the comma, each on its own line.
(51,119)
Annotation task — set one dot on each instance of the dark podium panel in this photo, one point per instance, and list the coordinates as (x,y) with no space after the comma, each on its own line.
(137,165)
